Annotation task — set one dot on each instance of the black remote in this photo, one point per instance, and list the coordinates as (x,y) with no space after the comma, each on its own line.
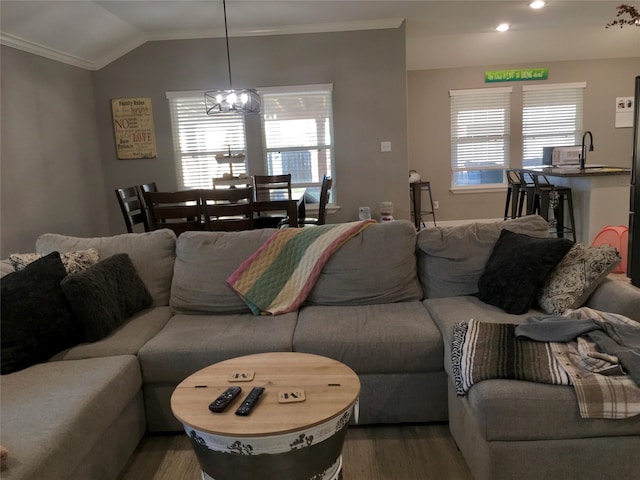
(220,403)
(250,402)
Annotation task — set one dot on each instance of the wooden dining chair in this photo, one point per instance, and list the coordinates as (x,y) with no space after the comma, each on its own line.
(132,207)
(228,209)
(179,211)
(325,193)
(267,187)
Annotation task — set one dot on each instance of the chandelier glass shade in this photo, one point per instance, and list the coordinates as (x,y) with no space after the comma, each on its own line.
(243,100)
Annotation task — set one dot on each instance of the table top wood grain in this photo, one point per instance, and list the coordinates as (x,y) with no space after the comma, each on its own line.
(330,388)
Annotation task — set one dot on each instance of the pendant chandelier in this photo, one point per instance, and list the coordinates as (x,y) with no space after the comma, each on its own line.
(240,100)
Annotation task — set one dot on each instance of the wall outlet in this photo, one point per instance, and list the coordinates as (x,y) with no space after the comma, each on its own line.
(385,146)
(436,204)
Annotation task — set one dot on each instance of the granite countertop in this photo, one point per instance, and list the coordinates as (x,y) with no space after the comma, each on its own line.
(589,171)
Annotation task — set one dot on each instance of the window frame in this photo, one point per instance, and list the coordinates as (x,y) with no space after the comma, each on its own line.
(321,144)
(204,126)
(556,92)
(494,104)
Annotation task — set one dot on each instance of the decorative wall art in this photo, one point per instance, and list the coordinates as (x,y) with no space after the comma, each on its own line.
(624,112)
(133,128)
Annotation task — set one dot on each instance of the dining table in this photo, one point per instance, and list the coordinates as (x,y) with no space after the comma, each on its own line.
(277,201)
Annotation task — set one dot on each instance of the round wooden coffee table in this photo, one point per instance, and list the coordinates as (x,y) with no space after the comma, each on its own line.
(292,440)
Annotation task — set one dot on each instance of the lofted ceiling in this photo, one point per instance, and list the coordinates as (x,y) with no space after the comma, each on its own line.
(439,34)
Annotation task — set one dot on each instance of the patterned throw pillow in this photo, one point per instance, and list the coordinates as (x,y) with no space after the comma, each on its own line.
(576,277)
(73,261)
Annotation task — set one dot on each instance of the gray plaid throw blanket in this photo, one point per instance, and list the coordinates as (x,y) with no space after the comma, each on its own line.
(482,351)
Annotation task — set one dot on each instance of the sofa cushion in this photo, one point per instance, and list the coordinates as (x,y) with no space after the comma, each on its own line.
(152,253)
(105,295)
(127,339)
(576,276)
(616,297)
(36,319)
(191,342)
(53,414)
(452,259)
(508,410)
(512,409)
(516,269)
(377,266)
(204,261)
(382,338)
(73,261)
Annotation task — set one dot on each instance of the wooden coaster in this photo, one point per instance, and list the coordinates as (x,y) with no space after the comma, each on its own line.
(291,396)
(241,376)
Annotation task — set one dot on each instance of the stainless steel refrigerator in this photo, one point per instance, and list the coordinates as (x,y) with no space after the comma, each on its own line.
(633,257)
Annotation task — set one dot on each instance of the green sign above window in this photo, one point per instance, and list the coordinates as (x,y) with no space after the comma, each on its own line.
(516,75)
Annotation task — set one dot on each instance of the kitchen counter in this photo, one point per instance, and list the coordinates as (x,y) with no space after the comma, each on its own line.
(589,171)
(600,196)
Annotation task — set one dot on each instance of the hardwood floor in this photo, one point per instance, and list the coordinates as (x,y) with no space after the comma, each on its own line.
(375,452)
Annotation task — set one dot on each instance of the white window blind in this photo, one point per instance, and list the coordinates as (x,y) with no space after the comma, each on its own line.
(198,137)
(298,132)
(551,117)
(480,121)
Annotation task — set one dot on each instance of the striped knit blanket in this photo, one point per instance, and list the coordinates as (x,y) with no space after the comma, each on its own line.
(279,276)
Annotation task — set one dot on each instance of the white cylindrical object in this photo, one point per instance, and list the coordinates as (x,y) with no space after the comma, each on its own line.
(386,208)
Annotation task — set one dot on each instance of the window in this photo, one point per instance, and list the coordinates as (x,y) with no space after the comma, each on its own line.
(198,137)
(551,117)
(297,123)
(479,137)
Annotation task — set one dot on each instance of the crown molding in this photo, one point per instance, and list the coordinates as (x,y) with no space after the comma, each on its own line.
(124,48)
(43,51)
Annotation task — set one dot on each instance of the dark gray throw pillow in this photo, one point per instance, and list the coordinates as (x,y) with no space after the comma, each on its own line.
(517,268)
(36,319)
(105,295)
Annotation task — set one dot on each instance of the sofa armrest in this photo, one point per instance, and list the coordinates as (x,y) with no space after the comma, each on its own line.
(616,297)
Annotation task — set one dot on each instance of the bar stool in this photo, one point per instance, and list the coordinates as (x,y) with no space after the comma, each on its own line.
(415,192)
(527,193)
(513,194)
(549,196)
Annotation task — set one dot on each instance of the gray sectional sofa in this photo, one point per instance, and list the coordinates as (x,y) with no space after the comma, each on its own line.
(385,304)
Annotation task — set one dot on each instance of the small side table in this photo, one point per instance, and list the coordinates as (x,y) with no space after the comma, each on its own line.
(276,441)
(415,191)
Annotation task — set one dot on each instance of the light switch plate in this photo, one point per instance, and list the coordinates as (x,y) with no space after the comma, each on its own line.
(385,146)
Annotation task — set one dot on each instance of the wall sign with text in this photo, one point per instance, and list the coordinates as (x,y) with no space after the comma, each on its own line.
(133,128)
(516,75)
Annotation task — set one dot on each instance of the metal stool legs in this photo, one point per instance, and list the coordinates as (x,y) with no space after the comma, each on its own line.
(415,192)
(548,196)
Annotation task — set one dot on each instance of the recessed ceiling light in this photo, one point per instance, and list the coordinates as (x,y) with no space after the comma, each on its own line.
(537,4)
(503,27)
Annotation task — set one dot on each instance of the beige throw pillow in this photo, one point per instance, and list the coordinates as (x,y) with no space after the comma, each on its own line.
(576,277)
(73,261)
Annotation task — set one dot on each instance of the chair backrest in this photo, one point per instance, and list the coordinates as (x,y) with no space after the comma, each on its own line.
(325,192)
(179,211)
(228,209)
(512,177)
(264,185)
(146,187)
(132,207)
(541,182)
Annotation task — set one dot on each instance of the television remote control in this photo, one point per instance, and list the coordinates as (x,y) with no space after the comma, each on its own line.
(220,403)
(250,402)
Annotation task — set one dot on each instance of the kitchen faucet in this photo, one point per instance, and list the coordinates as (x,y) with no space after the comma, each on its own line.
(583,156)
